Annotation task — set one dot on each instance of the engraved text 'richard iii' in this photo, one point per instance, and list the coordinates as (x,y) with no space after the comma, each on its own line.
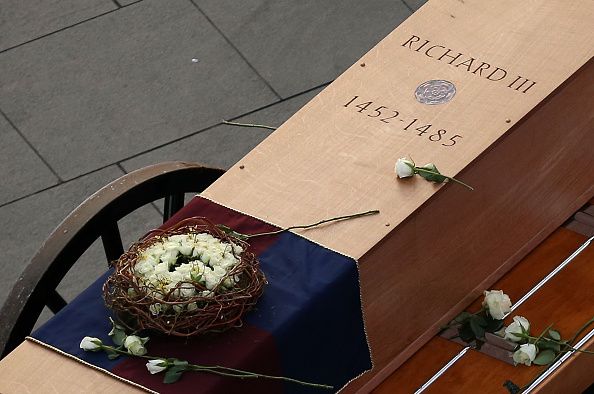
(470,64)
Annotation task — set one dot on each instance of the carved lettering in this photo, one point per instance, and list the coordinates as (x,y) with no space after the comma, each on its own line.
(460,60)
(495,72)
(422,45)
(481,68)
(519,82)
(467,63)
(432,47)
(447,54)
(410,41)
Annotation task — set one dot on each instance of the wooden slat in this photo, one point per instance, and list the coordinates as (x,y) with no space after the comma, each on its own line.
(491,373)
(420,367)
(565,301)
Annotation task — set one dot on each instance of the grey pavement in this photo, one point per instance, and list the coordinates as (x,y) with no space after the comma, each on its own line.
(91,89)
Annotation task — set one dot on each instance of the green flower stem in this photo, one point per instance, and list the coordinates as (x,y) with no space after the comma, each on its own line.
(238,373)
(582,329)
(222,371)
(356,215)
(260,126)
(568,347)
(126,353)
(425,171)
(542,333)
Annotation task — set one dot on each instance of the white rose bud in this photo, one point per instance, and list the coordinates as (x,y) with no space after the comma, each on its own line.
(156,366)
(497,303)
(404,168)
(520,325)
(91,344)
(525,354)
(135,345)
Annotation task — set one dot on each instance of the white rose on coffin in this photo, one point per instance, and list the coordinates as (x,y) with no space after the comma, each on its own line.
(91,344)
(497,303)
(519,326)
(404,168)
(156,366)
(135,345)
(525,354)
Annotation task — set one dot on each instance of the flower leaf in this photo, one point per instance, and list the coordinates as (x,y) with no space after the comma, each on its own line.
(554,346)
(434,175)
(465,332)
(477,325)
(118,336)
(462,317)
(545,357)
(493,325)
(175,372)
(555,335)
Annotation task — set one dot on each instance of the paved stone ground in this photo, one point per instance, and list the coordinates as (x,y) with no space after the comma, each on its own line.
(93,89)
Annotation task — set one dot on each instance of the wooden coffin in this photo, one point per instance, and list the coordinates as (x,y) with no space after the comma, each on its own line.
(519,128)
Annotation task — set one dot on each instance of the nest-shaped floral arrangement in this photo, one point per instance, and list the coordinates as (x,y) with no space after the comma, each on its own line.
(187,280)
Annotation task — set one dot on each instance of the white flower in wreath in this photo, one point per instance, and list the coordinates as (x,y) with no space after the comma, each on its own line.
(155,308)
(161,269)
(186,249)
(211,279)
(525,354)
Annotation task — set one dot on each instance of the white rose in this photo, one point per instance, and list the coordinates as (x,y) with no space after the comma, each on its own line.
(211,280)
(155,308)
(192,306)
(205,256)
(497,303)
(169,257)
(179,238)
(237,249)
(143,267)
(520,325)
(178,308)
(404,168)
(215,260)
(91,344)
(135,345)
(219,271)
(187,291)
(162,268)
(525,354)
(186,249)
(155,250)
(156,366)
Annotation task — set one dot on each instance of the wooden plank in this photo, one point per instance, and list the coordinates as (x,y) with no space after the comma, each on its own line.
(519,148)
(515,283)
(575,375)
(31,368)
(330,160)
(420,367)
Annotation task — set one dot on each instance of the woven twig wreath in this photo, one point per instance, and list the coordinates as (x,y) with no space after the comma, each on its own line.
(142,304)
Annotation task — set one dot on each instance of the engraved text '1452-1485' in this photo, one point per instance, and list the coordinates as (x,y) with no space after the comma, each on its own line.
(469,64)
